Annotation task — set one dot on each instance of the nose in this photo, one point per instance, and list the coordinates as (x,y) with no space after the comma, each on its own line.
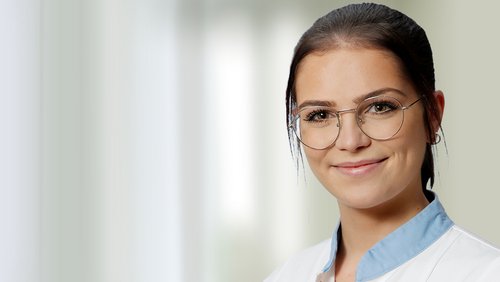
(350,138)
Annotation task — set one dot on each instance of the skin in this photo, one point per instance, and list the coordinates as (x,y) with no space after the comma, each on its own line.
(376,183)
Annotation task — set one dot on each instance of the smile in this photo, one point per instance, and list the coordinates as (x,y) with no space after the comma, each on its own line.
(360,168)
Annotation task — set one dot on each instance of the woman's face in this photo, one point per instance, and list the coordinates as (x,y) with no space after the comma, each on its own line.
(361,172)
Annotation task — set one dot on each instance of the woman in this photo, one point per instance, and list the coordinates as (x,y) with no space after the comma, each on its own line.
(361,100)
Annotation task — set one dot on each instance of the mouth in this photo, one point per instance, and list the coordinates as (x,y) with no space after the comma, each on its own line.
(359,168)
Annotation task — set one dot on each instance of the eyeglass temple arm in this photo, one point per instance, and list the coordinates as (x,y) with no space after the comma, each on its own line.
(414,102)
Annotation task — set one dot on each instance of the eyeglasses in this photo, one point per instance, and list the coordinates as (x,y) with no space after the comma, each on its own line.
(380,118)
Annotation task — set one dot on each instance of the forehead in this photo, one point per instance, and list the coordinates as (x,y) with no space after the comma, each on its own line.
(342,75)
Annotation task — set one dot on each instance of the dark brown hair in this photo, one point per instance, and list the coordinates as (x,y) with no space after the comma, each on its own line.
(377,26)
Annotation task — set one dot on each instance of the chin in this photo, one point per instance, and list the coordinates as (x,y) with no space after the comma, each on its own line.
(360,205)
(359,198)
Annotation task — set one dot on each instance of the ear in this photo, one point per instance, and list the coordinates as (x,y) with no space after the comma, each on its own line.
(439,98)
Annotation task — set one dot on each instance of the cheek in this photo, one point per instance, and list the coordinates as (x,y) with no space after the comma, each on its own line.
(413,140)
(314,157)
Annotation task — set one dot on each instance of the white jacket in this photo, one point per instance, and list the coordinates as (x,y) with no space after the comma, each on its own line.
(429,247)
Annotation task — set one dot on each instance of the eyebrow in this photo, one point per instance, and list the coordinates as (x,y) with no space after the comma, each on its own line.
(357,100)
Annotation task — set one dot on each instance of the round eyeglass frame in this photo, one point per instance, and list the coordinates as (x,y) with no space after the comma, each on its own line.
(358,121)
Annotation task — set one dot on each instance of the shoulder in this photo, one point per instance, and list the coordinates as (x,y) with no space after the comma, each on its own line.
(469,256)
(472,245)
(303,266)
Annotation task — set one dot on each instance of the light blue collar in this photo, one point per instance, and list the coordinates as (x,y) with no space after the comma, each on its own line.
(402,244)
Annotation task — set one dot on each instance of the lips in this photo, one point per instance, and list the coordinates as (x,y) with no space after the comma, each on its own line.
(359,168)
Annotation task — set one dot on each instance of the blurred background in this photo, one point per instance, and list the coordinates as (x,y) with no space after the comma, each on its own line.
(145,140)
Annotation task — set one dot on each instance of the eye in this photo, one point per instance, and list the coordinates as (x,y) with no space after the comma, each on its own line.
(380,107)
(318,115)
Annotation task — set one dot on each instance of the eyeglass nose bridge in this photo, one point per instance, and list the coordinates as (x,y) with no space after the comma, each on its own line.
(355,111)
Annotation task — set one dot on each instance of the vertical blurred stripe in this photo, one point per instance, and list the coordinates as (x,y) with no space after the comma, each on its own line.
(191,116)
(230,192)
(113,146)
(64,214)
(19,141)
(156,118)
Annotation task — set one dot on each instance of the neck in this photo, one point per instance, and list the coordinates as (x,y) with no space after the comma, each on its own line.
(363,228)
